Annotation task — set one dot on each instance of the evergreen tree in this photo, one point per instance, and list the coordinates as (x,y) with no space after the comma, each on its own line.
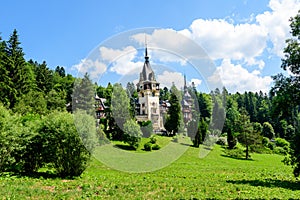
(173,120)
(20,78)
(83,96)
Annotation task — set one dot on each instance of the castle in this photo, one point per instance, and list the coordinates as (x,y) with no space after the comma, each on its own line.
(149,107)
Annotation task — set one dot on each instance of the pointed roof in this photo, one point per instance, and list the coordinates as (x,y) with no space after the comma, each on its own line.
(147,73)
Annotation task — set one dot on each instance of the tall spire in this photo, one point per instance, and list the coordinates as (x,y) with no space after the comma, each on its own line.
(146,50)
(185,82)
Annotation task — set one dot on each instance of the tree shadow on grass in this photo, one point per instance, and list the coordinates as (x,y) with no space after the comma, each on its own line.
(237,158)
(36,175)
(271,183)
(124,147)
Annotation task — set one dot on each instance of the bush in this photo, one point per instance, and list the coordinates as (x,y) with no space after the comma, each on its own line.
(153,139)
(63,146)
(280,150)
(222,141)
(148,146)
(156,147)
(271,146)
(265,141)
(280,142)
(17,148)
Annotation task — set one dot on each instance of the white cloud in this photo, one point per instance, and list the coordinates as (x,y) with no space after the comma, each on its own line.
(166,79)
(223,40)
(121,61)
(246,41)
(276,22)
(169,45)
(237,79)
(93,68)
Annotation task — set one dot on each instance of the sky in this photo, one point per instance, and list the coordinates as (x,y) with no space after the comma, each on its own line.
(243,39)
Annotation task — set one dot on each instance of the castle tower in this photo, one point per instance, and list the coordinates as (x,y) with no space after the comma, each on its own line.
(148,95)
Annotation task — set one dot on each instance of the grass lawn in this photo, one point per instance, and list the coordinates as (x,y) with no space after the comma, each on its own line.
(214,176)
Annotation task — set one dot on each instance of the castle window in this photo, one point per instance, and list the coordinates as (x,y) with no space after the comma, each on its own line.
(142,94)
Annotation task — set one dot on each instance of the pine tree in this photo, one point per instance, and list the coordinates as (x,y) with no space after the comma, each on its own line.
(20,78)
(173,120)
(83,96)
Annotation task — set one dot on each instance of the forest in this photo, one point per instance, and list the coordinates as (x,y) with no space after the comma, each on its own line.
(38,104)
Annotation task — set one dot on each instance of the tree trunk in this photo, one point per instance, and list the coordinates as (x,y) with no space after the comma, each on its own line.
(247,152)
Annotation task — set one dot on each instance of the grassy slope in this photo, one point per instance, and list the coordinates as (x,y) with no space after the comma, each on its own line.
(214,176)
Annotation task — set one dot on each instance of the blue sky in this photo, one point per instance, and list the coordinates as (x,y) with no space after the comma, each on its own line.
(243,38)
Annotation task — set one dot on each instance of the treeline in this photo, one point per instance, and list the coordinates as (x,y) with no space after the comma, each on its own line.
(29,86)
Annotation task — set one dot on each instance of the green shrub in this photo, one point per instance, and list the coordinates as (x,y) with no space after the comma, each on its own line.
(148,146)
(153,139)
(280,150)
(156,147)
(67,148)
(280,142)
(265,141)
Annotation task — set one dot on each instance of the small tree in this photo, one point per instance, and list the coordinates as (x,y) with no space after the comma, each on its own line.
(133,133)
(247,135)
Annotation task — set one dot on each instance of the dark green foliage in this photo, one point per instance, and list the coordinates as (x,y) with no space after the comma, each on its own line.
(173,120)
(44,77)
(268,131)
(17,76)
(153,139)
(231,140)
(148,146)
(155,147)
(280,142)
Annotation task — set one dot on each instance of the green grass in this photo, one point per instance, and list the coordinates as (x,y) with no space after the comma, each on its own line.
(214,176)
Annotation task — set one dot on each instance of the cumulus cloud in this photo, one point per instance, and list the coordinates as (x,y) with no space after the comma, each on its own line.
(237,79)
(93,67)
(166,79)
(224,40)
(276,22)
(121,61)
(170,46)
